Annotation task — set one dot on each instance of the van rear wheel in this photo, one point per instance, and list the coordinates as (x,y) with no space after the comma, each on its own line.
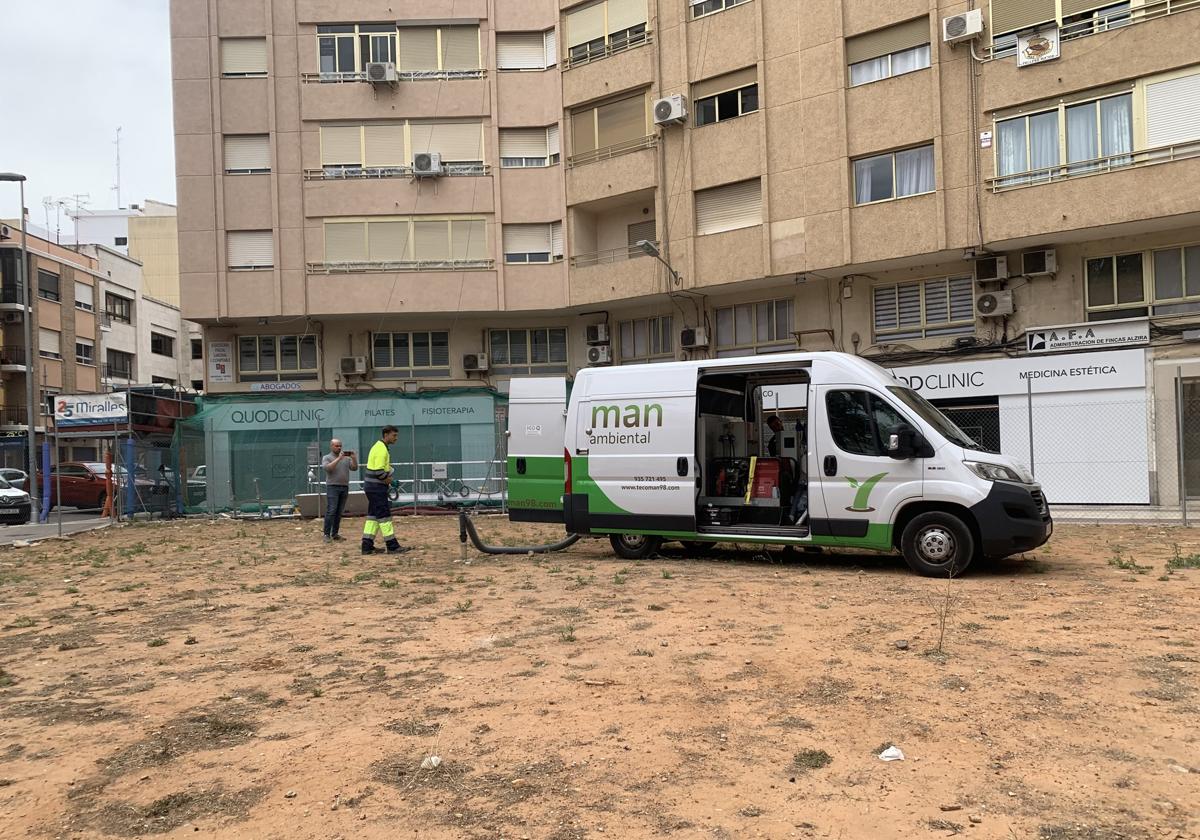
(937,544)
(634,546)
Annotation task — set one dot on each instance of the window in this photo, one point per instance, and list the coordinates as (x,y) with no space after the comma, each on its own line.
(197,349)
(639,232)
(197,384)
(1090,136)
(537,243)
(726,97)
(729,207)
(247,154)
(524,147)
(1176,278)
(861,423)
(643,339)
(749,328)
(893,175)
(601,29)
(700,8)
(346,48)
(47,285)
(1092,21)
(541,350)
(893,51)
(439,49)
(49,344)
(943,306)
(384,146)
(85,297)
(250,250)
(120,364)
(161,380)
(404,242)
(162,345)
(610,128)
(120,241)
(48,395)
(407,355)
(85,351)
(244,57)
(1116,280)
(118,308)
(526,50)
(272,358)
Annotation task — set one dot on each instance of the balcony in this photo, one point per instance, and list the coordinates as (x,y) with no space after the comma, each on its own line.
(612,255)
(587,53)
(12,358)
(378,267)
(449,94)
(1095,166)
(401,76)
(11,298)
(354,173)
(630,166)
(1096,22)
(622,68)
(613,274)
(14,415)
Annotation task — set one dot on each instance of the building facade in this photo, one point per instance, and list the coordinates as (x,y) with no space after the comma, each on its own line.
(446,194)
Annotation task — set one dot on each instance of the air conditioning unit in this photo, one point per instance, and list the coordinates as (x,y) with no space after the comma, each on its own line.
(989,269)
(5,232)
(1038,263)
(962,27)
(427,164)
(13,317)
(600,354)
(671,110)
(994,304)
(475,361)
(691,338)
(379,72)
(597,334)
(354,365)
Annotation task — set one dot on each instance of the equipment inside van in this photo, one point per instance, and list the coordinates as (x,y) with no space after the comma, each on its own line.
(801,449)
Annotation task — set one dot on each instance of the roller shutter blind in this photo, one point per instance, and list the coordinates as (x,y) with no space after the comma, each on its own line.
(556,239)
(729,207)
(902,36)
(638,231)
(527,239)
(243,56)
(1173,110)
(550,44)
(621,121)
(345,242)
(245,152)
(523,143)
(431,240)
(460,47)
(49,341)
(1009,15)
(85,294)
(455,141)
(583,131)
(468,239)
(624,14)
(552,142)
(250,249)
(341,145)
(1074,7)
(729,81)
(387,241)
(585,25)
(384,145)
(418,48)
(520,51)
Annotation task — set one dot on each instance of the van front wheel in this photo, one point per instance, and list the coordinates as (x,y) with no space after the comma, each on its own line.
(634,546)
(937,544)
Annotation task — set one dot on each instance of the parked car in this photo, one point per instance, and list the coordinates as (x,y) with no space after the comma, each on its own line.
(14,504)
(15,477)
(83,484)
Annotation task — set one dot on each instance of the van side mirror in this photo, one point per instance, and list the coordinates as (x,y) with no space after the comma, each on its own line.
(904,443)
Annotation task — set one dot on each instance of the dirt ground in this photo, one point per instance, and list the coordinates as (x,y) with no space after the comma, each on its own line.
(233,679)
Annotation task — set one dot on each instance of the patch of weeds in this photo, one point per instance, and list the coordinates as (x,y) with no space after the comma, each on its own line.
(567,633)
(641,652)
(886,745)
(20,623)
(426,599)
(827,691)
(809,759)
(414,728)
(554,570)
(972,626)
(1128,564)
(363,577)
(72,590)
(6,679)
(389,583)
(157,641)
(751,811)
(667,575)
(619,579)
(580,582)
(174,810)
(1181,561)
(944,825)
(463,606)
(302,648)
(655,607)
(132,550)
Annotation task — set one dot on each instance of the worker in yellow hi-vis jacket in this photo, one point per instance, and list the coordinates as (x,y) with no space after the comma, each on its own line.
(376,480)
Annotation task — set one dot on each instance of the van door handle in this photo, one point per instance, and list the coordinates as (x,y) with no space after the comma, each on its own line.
(830,465)
(520,466)
(681,466)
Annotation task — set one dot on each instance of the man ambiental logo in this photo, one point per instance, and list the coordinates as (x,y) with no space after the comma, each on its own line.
(863,495)
(1037,341)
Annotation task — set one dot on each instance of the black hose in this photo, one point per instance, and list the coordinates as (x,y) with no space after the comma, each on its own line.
(466,528)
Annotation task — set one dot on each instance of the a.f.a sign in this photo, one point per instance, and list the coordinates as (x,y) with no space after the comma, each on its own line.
(1091,336)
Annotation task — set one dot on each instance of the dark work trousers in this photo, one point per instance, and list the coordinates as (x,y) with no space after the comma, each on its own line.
(335,504)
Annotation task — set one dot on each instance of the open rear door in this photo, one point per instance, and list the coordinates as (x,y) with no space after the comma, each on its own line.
(536,468)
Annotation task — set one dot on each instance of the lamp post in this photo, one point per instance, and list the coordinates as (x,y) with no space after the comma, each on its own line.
(27,299)
(652,249)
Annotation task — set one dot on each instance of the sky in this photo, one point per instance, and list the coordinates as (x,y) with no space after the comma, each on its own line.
(110,67)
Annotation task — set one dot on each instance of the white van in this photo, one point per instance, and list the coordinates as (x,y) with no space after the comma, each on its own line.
(800,449)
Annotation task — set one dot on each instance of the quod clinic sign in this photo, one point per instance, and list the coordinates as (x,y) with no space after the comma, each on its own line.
(90,409)
(1040,374)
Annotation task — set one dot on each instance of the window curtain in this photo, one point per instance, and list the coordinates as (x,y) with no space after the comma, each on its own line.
(914,171)
(907,61)
(1081,137)
(1011,156)
(1043,142)
(871,70)
(1116,129)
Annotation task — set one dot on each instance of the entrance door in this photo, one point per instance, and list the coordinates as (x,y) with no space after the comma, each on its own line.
(1191,437)
(859,485)
(536,469)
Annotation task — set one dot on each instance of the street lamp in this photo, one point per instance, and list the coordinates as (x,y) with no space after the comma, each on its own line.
(27,299)
(652,249)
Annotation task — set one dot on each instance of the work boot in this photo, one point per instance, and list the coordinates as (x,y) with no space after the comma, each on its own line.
(368,547)
(394,547)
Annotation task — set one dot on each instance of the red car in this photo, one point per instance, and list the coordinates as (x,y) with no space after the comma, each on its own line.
(83,484)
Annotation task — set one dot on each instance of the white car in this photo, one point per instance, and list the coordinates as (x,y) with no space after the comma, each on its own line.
(14,504)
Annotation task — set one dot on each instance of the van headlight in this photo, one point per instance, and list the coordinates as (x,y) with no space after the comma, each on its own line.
(992,472)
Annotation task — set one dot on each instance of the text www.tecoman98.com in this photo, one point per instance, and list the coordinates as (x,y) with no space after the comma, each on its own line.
(649,486)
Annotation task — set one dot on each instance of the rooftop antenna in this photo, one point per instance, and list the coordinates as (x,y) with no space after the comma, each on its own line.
(117,187)
(47,203)
(80,200)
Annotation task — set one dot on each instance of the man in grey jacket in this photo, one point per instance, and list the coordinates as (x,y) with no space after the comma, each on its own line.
(337,465)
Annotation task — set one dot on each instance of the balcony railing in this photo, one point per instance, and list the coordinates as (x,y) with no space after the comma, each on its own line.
(613,255)
(615,150)
(378,267)
(12,354)
(347,173)
(11,294)
(1097,23)
(14,415)
(1095,166)
(113,372)
(401,76)
(611,47)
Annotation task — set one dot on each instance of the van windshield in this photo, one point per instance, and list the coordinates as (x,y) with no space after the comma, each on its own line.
(932,415)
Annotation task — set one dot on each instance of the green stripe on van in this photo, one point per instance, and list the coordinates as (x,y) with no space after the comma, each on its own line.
(582,482)
(541,485)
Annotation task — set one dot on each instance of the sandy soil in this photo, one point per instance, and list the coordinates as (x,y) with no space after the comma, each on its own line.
(243,680)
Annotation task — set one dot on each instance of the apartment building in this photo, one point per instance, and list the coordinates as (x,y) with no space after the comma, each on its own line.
(65,332)
(445,194)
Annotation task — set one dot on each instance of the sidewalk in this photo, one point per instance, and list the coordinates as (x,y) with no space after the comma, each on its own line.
(73,523)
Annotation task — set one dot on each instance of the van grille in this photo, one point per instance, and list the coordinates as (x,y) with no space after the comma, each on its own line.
(1040,501)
